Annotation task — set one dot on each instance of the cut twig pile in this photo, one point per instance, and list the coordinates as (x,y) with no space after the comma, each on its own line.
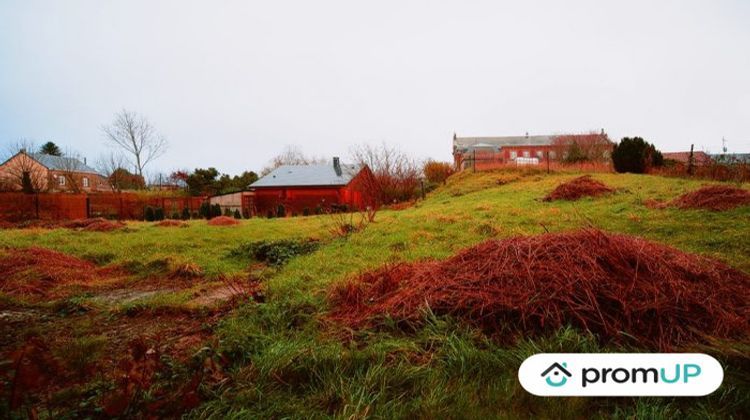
(713,197)
(223,221)
(103,226)
(583,186)
(621,288)
(34,271)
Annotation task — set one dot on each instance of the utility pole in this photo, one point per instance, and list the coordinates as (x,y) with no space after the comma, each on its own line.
(724,145)
(690,161)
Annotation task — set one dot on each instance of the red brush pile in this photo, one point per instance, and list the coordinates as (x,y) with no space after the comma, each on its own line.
(713,197)
(104,226)
(583,186)
(171,223)
(616,286)
(223,221)
(34,271)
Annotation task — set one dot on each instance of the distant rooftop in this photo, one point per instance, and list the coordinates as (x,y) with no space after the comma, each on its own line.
(62,163)
(308,176)
(481,142)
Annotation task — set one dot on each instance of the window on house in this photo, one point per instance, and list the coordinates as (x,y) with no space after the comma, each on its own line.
(85,182)
(61,180)
(552,154)
(513,154)
(526,153)
(539,154)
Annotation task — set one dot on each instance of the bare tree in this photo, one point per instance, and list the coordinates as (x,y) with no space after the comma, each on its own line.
(396,174)
(111,167)
(21,171)
(292,155)
(135,135)
(71,167)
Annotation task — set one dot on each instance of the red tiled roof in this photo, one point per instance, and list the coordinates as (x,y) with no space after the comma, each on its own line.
(699,158)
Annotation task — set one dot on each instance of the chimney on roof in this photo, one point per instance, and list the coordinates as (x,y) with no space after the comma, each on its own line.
(527,134)
(337,165)
(23,150)
(84,160)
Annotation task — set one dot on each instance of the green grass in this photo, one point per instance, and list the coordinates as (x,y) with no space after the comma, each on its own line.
(286,361)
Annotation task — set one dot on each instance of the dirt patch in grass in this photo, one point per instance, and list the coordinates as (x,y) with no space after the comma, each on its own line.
(103,226)
(623,289)
(171,223)
(223,221)
(713,197)
(583,186)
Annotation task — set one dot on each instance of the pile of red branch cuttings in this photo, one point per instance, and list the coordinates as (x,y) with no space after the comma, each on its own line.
(583,186)
(713,197)
(223,221)
(621,288)
(35,271)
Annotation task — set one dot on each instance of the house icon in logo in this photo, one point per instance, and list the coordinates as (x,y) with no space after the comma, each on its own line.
(556,374)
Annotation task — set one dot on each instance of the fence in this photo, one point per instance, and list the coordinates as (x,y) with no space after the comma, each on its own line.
(736,172)
(486,163)
(15,206)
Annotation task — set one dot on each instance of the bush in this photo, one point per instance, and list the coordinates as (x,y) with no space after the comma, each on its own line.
(215,210)
(185,213)
(437,172)
(306,211)
(158,213)
(280,211)
(237,214)
(227,212)
(318,210)
(635,155)
(245,213)
(195,215)
(148,214)
(175,215)
(269,214)
(275,253)
(205,210)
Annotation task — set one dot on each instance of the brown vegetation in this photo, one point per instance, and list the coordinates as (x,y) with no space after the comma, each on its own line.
(713,197)
(583,186)
(621,288)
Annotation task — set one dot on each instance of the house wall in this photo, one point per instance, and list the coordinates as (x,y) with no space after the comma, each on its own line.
(359,193)
(11,173)
(44,179)
(96,183)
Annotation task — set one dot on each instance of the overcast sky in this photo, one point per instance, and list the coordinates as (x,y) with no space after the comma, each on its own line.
(229,83)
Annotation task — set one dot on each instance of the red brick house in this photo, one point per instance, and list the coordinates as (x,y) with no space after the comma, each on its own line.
(302,189)
(527,150)
(47,173)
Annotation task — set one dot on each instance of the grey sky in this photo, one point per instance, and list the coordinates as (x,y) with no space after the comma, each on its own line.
(231,82)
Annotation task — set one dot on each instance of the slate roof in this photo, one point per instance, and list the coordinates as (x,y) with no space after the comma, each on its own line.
(464,143)
(307,176)
(62,163)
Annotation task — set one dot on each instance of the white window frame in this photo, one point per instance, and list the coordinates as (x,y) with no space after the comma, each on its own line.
(539,154)
(513,154)
(526,154)
(85,182)
(61,180)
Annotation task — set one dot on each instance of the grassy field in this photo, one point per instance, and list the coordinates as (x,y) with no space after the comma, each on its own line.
(282,358)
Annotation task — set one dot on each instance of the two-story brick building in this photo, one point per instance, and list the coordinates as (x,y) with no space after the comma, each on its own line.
(38,172)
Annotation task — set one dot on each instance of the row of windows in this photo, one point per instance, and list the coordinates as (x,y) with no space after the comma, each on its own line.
(527,153)
(61,181)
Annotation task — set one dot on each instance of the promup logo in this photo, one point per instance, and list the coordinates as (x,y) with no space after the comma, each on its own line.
(556,374)
(620,374)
